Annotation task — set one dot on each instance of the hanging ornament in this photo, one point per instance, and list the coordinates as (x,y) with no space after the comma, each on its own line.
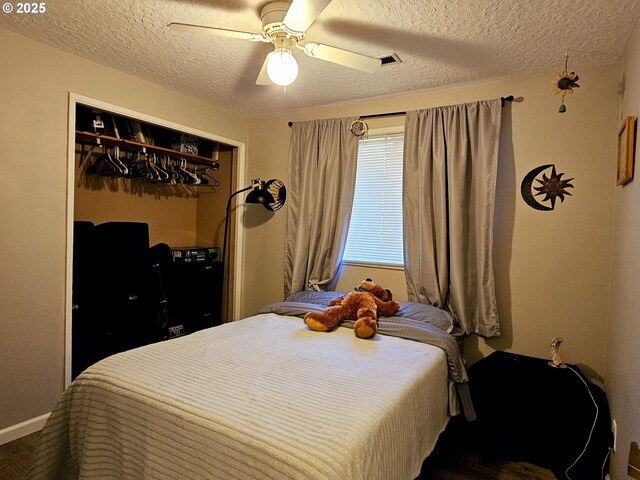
(359,128)
(564,83)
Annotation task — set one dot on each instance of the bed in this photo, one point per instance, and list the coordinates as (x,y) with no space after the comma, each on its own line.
(262,398)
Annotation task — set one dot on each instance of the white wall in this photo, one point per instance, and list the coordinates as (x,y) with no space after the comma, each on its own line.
(552,268)
(622,379)
(35,83)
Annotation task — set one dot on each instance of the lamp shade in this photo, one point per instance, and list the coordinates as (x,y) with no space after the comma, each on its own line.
(282,67)
(259,195)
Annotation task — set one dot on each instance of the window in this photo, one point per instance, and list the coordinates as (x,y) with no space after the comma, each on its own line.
(375,231)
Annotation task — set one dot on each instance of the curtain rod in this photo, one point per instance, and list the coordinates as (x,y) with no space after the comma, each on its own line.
(508,98)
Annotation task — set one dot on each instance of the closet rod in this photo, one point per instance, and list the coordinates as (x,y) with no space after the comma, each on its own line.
(508,98)
(89,138)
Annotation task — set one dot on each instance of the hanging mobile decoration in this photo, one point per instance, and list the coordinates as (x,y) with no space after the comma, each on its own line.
(564,83)
(359,128)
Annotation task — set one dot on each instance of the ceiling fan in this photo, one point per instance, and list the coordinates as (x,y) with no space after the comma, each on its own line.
(284,24)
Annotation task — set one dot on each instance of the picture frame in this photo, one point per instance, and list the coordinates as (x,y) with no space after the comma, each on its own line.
(626,149)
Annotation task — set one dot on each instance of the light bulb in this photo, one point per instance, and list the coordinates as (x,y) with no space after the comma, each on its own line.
(282,67)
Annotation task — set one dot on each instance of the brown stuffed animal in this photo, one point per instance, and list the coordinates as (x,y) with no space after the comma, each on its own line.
(364,304)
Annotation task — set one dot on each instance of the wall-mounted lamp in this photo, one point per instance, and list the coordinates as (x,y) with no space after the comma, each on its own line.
(271,194)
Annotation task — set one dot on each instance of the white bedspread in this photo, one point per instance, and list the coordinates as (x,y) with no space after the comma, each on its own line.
(261,398)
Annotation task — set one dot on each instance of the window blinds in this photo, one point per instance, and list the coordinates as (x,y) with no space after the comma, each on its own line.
(375,231)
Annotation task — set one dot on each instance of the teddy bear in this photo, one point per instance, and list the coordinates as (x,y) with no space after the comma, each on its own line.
(364,304)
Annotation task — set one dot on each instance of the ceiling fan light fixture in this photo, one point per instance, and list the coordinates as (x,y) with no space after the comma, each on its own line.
(284,24)
(282,67)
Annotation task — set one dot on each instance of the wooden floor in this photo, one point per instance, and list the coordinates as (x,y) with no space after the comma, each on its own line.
(451,461)
(15,457)
(447,462)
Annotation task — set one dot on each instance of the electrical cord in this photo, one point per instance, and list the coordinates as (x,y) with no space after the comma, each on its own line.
(566,472)
(606,457)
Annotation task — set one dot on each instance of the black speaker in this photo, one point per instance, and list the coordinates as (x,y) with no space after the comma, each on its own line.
(110,291)
(196,295)
(122,248)
(122,274)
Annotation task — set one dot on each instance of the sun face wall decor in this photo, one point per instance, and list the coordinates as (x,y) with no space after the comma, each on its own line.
(552,187)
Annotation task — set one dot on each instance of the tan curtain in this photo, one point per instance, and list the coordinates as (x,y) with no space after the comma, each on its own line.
(450,167)
(322,156)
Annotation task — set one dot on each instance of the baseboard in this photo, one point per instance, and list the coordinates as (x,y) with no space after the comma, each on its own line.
(21,429)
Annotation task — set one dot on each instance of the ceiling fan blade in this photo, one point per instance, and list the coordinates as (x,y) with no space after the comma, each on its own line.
(343,57)
(301,14)
(263,78)
(222,32)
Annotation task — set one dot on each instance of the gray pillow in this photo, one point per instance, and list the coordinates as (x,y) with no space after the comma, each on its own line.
(313,296)
(422,312)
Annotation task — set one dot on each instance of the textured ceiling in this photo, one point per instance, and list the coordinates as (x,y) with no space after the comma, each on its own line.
(441,43)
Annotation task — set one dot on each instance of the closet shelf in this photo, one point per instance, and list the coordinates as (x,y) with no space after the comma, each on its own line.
(92,139)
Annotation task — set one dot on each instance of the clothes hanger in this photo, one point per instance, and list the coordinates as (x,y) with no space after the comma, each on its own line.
(94,168)
(140,167)
(188,176)
(151,168)
(160,166)
(119,164)
(206,178)
(107,167)
(116,162)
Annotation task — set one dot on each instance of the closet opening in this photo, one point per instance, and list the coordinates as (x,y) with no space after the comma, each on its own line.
(145,219)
